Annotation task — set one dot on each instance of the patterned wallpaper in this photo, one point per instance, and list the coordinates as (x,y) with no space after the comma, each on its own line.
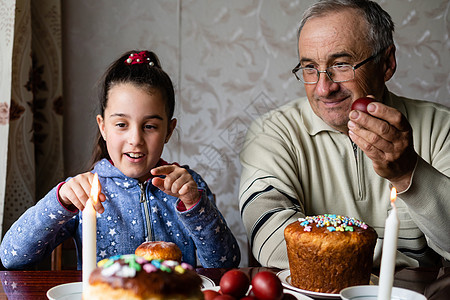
(230,62)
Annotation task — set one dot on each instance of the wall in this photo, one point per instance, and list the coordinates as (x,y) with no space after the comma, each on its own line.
(230,62)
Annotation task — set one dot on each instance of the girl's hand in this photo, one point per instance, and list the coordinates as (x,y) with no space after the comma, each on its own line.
(76,191)
(177,182)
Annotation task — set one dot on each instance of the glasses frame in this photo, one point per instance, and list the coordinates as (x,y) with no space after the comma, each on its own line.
(358,65)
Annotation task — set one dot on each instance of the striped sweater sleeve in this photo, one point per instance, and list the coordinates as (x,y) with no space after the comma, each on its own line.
(269,194)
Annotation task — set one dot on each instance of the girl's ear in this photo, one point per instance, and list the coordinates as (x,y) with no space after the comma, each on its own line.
(101,126)
(172,125)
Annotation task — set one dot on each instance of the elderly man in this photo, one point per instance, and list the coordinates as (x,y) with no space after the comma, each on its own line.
(317,155)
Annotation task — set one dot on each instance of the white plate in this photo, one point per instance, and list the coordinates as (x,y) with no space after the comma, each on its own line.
(370,292)
(68,291)
(73,291)
(286,291)
(206,282)
(285,277)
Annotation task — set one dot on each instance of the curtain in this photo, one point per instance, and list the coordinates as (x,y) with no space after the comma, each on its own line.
(6,44)
(31,115)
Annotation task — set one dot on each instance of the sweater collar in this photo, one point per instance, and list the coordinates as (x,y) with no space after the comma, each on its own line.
(314,124)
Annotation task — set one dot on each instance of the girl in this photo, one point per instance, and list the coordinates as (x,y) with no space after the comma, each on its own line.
(143,198)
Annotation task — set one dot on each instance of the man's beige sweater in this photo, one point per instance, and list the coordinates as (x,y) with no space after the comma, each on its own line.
(294,164)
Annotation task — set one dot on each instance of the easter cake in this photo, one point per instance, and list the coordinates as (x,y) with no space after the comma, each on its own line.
(134,277)
(328,253)
(159,250)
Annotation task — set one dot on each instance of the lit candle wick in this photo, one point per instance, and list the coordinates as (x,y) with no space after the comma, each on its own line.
(393,195)
(95,189)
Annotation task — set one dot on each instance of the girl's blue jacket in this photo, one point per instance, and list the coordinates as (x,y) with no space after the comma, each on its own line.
(199,232)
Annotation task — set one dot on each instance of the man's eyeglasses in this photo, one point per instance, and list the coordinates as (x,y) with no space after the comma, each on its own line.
(338,73)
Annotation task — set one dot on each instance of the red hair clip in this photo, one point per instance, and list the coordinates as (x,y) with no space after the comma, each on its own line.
(139,58)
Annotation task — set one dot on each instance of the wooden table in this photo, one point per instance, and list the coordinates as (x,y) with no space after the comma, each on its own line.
(24,285)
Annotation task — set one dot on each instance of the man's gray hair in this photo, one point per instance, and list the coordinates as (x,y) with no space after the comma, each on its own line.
(380,24)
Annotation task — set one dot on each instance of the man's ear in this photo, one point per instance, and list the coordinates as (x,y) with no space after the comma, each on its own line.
(101,126)
(171,127)
(390,63)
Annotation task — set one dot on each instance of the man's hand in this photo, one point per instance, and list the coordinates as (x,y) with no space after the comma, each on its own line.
(386,138)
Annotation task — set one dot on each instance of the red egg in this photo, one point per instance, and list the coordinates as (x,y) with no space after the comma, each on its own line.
(361,104)
(249,298)
(210,295)
(234,283)
(267,286)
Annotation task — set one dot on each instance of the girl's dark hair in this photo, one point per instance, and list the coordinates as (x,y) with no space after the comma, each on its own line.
(146,75)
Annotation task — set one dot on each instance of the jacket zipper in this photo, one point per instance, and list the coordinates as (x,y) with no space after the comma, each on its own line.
(144,200)
(359,169)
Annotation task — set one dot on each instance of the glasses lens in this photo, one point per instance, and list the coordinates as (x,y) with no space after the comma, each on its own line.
(341,73)
(310,75)
(338,73)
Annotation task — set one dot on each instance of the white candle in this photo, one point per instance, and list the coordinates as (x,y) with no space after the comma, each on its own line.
(90,233)
(389,251)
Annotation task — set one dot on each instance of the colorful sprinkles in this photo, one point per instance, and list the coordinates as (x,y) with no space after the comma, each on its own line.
(133,264)
(331,222)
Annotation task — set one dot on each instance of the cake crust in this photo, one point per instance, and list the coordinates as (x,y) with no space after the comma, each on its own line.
(327,261)
(159,250)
